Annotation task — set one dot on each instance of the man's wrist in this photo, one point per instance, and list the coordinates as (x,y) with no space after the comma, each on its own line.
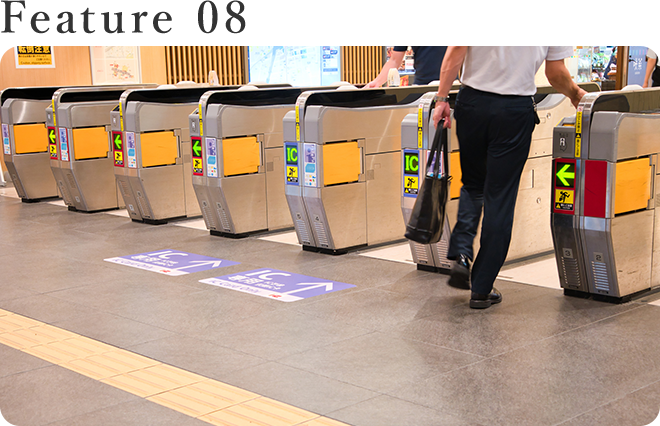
(440,98)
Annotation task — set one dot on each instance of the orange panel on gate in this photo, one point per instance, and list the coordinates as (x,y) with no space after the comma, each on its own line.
(633,185)
(342,163)
(159,148)
(90,142)
(241,155)
(456,175)
(30,138)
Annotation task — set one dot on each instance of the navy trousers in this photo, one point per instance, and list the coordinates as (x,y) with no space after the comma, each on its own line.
(494,132)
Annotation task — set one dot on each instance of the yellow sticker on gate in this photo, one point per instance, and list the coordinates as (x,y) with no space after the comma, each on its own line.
(119,156)
(410,184)
(564,199)
(197,163)
(291,172)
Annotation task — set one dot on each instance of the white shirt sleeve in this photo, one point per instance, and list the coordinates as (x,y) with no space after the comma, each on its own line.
(651,54)
(556,53)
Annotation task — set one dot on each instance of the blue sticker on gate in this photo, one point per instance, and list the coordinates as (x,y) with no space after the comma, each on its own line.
(171,262)
(279,285)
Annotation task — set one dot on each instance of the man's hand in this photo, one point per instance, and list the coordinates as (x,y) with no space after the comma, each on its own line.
(441,111)
(578,97)
(371,85)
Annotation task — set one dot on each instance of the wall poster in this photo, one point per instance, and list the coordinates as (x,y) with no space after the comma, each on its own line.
(115,64)
(34,57)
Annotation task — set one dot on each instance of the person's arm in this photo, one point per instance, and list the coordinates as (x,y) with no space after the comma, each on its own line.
(559,78)
(393,62)
(650,66)
(450,65)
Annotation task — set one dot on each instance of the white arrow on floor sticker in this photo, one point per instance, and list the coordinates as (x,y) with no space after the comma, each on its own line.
(311,286)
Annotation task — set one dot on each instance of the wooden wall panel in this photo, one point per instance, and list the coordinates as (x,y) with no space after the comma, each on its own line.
(361,64)
(193,63)
(153,64)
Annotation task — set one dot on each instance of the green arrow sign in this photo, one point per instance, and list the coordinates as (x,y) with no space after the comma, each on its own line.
(51,135)
(197,148)
(118,142)
(565,173)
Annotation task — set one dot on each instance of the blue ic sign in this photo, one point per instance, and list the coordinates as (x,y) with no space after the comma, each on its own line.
(171,262)
(279,285)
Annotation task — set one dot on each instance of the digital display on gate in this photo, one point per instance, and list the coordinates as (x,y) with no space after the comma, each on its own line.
(197,161)
(118,148)
(411,163)
(292,154)
(564,189)
(564,175)
(410,173)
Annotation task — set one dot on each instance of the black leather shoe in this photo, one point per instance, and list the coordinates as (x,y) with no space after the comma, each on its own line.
(460,273)
(483,301)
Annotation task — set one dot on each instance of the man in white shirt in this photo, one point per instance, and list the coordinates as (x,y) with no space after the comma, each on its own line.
(495,117)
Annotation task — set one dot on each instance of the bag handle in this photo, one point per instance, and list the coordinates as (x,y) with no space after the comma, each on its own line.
(440,137)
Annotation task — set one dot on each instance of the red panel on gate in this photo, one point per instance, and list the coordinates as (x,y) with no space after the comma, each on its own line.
(595,188)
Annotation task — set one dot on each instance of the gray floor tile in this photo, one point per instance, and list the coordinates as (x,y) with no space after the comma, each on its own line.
(9,290)
(373,308)
(139,413)
(196,355)
(50,394)
(277,334)
(15,361)
(526,315)
(198,313)
(113,330)
(45,308)
(641,407)
(387,411)
(300,388)
(553,380)
(379,362)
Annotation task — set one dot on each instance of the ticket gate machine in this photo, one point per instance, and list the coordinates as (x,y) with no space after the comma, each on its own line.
(151,151)
(605,222)
(343,177)
(531,235)
(238,161)
(25,141)
(79,145)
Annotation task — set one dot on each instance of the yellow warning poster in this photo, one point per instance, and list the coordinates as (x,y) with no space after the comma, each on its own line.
(34,57)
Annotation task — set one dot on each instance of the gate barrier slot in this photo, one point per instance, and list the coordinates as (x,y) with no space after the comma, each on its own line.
(345,193)
(239,159)
(25,141)
(531,235)
(606,180)
(81,157)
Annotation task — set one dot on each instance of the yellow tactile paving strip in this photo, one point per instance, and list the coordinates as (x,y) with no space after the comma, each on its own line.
(188,393)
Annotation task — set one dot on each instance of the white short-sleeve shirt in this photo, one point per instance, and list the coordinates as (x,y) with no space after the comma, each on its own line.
(508,70)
